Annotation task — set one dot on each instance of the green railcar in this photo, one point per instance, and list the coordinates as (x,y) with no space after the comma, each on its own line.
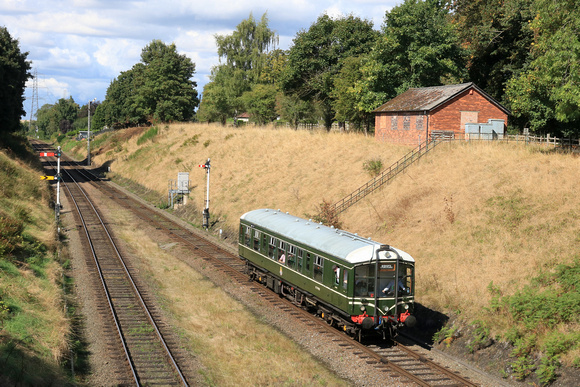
(331,271)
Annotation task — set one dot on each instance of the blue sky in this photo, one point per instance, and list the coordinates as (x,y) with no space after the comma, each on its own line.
(77,47)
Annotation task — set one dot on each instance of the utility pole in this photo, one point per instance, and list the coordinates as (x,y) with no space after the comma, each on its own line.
(207,167)
(34,98)
(89,135)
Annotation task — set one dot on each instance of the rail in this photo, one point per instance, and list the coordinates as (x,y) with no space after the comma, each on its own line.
(386,176)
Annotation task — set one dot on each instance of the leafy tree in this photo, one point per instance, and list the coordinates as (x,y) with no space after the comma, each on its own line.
(260,103)
(14,72)
(167,92)
(295,110)
(119,108)
(215,105)
(346,97)
(546,93)
(316,57)
(58,117)
(47,120)
(244,59)
(497,36)
(419,47)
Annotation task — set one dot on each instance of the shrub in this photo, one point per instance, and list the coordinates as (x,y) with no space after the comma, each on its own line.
(373,167)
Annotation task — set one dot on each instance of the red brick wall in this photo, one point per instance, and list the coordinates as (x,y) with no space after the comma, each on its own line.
(448,116)
(445,118)
(411,128)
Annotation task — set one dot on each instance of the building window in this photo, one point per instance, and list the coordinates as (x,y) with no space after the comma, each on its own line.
(394,121)
(406,123)
(419,122)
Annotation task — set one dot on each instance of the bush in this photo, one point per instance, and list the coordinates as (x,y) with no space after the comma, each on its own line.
(373,167)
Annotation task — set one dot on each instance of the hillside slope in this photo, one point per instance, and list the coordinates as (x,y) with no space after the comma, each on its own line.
(34,330)
(483,220)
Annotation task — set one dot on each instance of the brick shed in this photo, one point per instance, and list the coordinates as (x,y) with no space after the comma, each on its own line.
(438,111)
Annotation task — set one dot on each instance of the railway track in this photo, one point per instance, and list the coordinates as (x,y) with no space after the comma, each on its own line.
(148,355)
(396,361)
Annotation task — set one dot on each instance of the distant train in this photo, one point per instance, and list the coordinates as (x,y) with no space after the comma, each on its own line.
(356,284)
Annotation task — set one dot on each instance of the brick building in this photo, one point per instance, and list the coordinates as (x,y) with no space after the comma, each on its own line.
(438,111)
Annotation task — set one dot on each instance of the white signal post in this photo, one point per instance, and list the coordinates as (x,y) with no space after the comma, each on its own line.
(207,167)
(58,183)
(57,206)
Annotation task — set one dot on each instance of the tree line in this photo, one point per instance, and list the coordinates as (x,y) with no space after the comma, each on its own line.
(524,53)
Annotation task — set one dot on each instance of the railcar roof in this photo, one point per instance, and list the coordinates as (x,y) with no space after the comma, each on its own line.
(338,243)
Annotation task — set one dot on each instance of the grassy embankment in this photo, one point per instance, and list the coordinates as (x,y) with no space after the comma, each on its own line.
(33,326)
(494,227)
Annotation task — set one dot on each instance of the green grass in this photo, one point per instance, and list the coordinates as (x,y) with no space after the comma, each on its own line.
(148,135)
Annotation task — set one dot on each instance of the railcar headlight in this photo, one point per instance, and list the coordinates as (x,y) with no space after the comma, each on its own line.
(406,306)
(362,308)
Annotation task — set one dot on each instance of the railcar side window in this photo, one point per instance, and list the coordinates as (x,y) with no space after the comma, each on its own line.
(282,252)
(318,266)
(291,259)
(272,247)
(345,279)
(299,255)
(247,236)
(256,240)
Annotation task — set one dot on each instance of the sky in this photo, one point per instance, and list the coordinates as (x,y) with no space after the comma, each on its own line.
(78,47)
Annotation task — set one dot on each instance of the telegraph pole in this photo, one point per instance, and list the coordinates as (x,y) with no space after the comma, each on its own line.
(89,135)
(207,167)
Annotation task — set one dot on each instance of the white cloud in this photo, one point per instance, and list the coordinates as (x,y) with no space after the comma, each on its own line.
(116,55)
(68,59)
(81,45)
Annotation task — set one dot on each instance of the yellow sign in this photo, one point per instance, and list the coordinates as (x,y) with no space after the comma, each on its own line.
(46,177)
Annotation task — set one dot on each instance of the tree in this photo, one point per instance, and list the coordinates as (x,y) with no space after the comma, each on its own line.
(260,103)
(498,39)
(546,93)
(167,92)
(346,97)
(316,57)
(58,117)
(14,72)
(244,59)
(419,47)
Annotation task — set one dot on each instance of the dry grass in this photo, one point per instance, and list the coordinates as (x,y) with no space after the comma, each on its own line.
(470,214)
(233,345)
(30,280)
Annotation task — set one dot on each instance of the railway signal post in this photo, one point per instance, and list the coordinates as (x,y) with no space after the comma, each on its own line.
(57,206)
(207,167)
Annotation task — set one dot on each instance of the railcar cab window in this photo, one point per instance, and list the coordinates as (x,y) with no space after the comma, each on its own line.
(364,281)
(318,267)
